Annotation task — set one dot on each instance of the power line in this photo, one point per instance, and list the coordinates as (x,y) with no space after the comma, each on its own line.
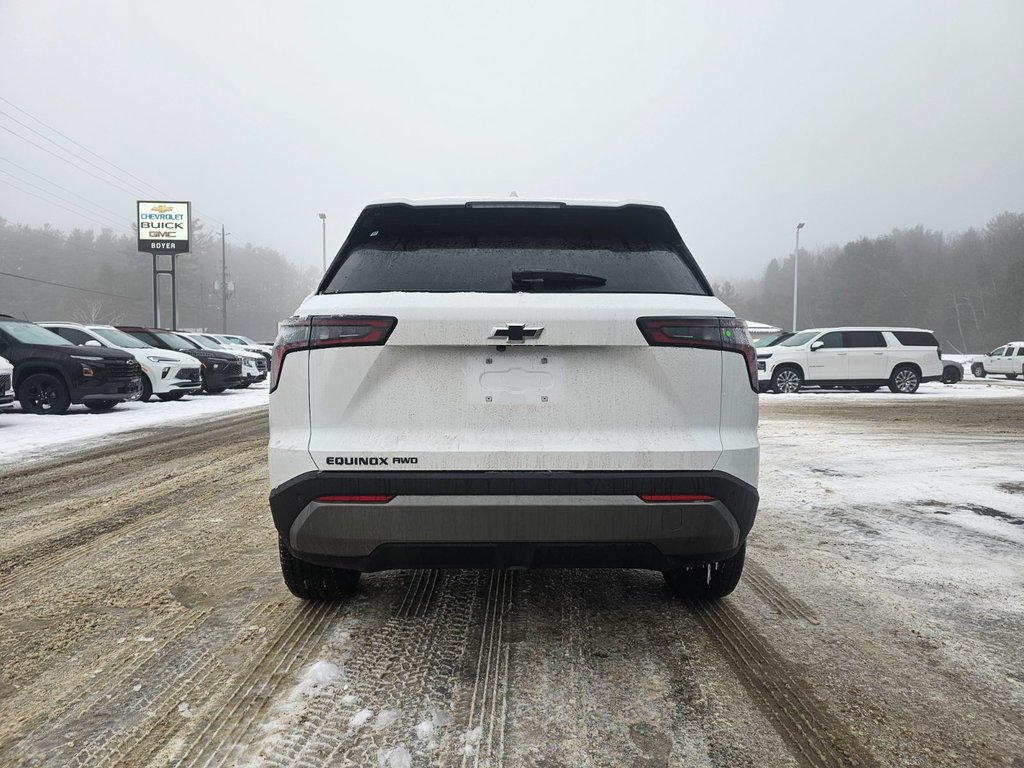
(64,159)
(91,152)
(40,197)
(60,197)
(58,186)
(72,287)
(65,149)
(81,146)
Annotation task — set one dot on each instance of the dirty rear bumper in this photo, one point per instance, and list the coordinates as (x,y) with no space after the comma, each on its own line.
(513,519)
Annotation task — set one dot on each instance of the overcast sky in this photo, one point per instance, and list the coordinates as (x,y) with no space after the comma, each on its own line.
(742,118)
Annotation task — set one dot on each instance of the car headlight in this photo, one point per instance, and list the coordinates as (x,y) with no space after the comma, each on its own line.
(90,358)
(158,359)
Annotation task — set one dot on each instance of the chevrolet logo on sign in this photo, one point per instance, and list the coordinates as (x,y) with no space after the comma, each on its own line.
(162,208)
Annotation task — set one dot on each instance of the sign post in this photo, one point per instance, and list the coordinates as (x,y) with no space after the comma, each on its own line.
(164,228)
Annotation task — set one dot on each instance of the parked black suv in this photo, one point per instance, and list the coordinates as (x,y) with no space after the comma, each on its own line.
(220,370)
(51,373)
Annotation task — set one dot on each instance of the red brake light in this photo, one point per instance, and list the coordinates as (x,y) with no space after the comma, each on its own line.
(305,333)
(676,497)
(728,334)
(354,499)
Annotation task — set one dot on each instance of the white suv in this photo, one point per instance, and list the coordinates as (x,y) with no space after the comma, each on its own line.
(513,384)
(863,358)
(167,374)
(1007,360)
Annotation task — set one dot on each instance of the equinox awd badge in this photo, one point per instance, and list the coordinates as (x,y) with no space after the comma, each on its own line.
(516,333)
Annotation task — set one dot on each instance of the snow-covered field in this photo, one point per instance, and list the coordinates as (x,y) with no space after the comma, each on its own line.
(27,436)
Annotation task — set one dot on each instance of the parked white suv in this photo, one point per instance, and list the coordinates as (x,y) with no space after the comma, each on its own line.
(513,384)
(864,358)
(6,383)
(1007,360)
(165,373)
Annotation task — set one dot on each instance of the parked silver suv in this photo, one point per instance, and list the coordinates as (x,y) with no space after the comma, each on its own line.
(513,384)
(860,357)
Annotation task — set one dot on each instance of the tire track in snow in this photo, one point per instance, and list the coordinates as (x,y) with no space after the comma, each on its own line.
(100,465)
(230,726)
(485,734)
(103,517)
(816,738)
(401,675)
(421,591)
(769,589)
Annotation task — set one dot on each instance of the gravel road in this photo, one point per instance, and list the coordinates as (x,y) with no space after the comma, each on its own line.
(143,620)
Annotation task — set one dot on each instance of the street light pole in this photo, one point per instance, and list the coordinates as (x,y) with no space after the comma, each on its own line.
(323,224)
(796,267)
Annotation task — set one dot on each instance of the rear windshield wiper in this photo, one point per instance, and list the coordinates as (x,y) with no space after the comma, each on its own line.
(538,278)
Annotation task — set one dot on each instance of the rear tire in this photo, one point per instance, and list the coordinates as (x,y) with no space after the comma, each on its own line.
(787,380)
(904,380)
(951,375)
(315,582)
(710,581)
(979,371)
(168,396)
(100,405)
(43,393)
(1011,376)
(214,390)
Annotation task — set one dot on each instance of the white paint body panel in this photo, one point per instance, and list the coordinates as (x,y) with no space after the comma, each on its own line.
(612,401)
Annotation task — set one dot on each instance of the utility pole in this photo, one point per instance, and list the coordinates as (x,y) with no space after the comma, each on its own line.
(223,283)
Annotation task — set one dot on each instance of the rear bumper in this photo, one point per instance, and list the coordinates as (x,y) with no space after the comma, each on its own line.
(513,519)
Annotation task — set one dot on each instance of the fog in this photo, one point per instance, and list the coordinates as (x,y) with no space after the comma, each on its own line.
(741,118)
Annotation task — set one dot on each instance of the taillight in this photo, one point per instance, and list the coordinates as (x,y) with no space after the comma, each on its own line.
(676,497)
(354,499)
(728,334)
(306,333)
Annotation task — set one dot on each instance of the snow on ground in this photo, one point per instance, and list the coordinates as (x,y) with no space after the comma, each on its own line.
(26,436)
(931,392)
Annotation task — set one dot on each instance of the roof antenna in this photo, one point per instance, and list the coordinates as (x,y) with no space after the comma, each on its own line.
(514,194)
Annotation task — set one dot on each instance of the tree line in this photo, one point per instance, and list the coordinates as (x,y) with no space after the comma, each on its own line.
(967,287)
(82,276)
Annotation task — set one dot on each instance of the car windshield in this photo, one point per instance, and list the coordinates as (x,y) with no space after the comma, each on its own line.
(174,341)
(29,333)
(771,339)
(799,339)
(202,341)
(237,339)
(120,338)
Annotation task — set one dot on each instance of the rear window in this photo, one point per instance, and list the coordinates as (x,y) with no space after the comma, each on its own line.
(915,338)
(473,250)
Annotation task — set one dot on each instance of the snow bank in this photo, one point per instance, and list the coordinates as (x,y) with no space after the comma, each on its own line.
(28,436)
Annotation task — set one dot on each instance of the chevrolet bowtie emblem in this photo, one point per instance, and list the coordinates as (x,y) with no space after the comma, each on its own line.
(515,333)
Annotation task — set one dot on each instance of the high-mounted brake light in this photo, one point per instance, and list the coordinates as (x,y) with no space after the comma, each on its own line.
(728,334)
(354,499)
(307,333)
(676,497)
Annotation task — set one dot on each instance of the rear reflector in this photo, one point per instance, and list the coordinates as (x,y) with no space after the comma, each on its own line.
(354,499)
(728,334)
(306,333)
(677,497)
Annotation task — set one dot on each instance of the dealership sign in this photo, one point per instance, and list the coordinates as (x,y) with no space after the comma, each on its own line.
(163,227)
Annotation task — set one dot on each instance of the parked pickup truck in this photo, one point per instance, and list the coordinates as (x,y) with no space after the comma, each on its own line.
(1007,360)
